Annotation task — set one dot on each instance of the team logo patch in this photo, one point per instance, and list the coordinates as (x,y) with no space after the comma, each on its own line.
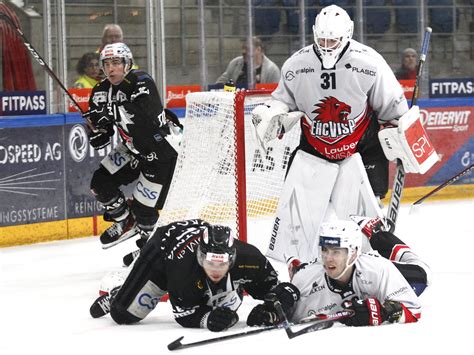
(332,122)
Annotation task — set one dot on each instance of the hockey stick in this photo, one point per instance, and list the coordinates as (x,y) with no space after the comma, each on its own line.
(42,62)
(321,321)
(444,184)
(399,179)
(318,322)
(177,345)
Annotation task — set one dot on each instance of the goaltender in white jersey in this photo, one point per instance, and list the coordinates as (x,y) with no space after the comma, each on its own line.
(341,92)
(345,278)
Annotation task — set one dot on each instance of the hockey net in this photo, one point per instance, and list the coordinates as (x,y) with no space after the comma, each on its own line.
(221,176)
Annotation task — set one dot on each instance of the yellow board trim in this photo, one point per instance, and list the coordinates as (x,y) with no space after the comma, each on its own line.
(83,227)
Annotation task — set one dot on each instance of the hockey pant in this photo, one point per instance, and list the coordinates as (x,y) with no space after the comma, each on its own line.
(314,191)
(143,287)
(415,271)
(121,168)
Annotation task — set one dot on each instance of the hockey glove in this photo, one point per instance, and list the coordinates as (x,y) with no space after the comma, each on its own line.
(294,265)
(287,293)
(103,117)
(371,312)
(99,140)
(173,119)
(263,314)
(221,319)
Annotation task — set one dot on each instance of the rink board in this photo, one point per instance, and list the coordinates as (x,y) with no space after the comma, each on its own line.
(46,164)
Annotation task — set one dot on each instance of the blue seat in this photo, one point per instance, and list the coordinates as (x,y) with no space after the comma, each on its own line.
(441,18)
(377,19)
(267,21)
(406,19)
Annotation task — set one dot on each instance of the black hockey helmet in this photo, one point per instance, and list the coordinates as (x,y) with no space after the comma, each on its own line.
(217,245)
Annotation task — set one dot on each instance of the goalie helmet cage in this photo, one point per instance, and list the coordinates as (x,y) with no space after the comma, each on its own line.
(221,175)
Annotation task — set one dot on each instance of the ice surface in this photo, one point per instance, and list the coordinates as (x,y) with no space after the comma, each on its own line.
(46,290)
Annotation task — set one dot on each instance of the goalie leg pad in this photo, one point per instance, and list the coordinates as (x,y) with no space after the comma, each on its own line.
(302,207)
(353,194)
(143,288)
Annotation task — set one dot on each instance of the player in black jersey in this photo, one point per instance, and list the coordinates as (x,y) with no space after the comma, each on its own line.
(127,101)
(205,272)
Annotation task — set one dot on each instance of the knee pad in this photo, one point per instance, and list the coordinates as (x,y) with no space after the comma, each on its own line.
(121,316)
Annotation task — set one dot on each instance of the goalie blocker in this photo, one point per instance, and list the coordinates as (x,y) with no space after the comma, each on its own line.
(409,143)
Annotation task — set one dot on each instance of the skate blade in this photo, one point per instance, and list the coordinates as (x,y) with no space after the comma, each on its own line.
(127,235)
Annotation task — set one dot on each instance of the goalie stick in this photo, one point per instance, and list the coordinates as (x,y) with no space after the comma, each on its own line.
(399,177)
(444,184)
(317,322)
(42,62)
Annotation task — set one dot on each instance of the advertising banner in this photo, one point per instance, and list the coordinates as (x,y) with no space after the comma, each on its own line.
(31,175)
(452,87)
(22,103)
(176,95)
(82,98)
(451,130)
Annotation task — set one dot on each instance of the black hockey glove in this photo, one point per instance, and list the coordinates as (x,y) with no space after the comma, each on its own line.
(371,312)
(265,314)
(103,117)
(221,319)
(99,140)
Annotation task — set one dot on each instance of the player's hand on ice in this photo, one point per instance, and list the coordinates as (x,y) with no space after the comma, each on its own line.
(263,314)
(367,312)
(221,318)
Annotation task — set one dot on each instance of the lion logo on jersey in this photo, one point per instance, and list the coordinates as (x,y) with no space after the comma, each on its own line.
(331,109)
(332,121)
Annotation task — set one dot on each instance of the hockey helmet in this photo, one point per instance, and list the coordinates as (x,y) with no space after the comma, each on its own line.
(217,245)
(333,28)
(117,50)
(341,234)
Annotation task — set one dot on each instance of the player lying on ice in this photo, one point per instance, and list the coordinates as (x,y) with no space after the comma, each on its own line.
(344,277)
(203,269)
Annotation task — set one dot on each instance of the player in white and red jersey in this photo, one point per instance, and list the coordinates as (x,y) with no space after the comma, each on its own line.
(341,92)
(346,278)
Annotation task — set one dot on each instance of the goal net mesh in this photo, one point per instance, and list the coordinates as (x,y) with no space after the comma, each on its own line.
(205,183)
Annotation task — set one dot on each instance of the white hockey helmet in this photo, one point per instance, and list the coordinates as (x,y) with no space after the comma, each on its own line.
(332,23)
(341,234)
(117,50)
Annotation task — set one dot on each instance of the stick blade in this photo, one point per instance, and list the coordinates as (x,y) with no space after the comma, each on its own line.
(175,344)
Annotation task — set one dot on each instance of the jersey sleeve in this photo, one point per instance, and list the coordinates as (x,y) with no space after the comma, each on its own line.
(260,275)
(386,96)
(283,92)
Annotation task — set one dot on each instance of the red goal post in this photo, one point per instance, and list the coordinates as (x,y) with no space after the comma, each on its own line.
(221,175)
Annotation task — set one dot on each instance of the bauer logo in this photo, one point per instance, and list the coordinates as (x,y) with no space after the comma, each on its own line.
(78,143)
(23,103)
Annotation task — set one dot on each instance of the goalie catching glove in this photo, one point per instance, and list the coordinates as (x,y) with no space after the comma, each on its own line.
(272,120)
(265,314)
(409,143)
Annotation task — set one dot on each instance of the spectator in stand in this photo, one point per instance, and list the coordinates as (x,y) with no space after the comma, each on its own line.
(407,70)
(265,70)
(112,33)
(89,71)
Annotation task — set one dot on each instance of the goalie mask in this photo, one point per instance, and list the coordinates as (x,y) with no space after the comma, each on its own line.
(341,235)
(117,50)
(332,30)
(217,247)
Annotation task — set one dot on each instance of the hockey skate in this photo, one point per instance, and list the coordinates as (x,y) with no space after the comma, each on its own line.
(101,305)
(131,257)
(119,232)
